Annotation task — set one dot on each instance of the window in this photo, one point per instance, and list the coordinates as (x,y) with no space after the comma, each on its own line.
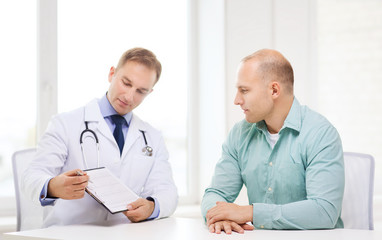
(88,45)
(18,84)
(350,74)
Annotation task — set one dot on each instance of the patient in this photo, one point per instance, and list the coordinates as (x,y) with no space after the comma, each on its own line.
(289,157)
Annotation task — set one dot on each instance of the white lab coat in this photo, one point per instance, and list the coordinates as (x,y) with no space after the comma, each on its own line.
(59,151)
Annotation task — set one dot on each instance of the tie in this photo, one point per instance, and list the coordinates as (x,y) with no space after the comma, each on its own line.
(118,134)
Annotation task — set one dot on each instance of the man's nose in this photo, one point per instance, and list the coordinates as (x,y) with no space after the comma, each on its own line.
(129,95)
(238,100)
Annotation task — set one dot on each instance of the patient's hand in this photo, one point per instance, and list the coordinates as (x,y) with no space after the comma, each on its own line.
(229,211)
(228,227)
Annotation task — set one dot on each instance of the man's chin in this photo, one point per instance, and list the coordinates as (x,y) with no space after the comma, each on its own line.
(124,112)
(250,120)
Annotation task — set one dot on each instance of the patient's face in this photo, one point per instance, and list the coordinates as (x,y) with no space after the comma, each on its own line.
(253,95)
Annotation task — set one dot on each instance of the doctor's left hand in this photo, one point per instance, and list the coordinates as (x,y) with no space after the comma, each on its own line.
(139,210)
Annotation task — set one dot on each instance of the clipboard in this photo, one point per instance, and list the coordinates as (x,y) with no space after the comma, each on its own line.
(108,190)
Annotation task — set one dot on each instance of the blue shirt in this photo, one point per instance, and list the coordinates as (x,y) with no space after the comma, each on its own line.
(107,111)
(298,184)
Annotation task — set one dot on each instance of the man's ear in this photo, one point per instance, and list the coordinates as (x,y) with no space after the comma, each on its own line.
(275,89)
(111,73)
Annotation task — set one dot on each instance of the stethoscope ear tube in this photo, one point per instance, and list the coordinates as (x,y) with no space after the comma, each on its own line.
(147,150)
(88,130)
(83,155)
(81,143)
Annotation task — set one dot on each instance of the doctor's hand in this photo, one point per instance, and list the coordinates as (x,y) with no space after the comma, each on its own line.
(228,227)
(231,212)
(68,185)
(139,210)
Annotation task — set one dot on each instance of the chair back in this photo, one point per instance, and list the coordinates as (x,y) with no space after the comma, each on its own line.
(29,214)
(357,205)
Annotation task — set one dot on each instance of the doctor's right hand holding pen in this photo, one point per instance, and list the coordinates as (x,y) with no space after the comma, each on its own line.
(68,185)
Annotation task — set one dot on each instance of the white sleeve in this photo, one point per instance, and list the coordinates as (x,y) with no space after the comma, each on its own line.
(160,184)
(48,161)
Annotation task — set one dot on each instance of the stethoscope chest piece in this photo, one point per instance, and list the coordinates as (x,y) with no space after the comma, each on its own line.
(148,151)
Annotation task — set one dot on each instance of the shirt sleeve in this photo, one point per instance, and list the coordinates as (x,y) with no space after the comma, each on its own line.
(325,183)
(44,200)
(226,182)
(156,211)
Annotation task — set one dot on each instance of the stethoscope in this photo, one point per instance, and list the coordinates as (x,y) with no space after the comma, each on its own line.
(147,150)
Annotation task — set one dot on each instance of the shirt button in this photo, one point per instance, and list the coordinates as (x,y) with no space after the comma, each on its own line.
(262,226)
(269,189)
(270,164)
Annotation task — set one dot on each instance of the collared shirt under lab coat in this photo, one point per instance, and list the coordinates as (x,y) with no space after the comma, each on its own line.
(59,151)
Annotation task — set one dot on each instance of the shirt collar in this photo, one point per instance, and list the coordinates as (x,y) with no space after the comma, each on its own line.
(107,109)
(292,121)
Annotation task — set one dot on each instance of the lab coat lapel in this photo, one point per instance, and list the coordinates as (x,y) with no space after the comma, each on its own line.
(96,121)
(133,134)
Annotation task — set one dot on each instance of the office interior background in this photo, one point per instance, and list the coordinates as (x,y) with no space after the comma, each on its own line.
(55,56)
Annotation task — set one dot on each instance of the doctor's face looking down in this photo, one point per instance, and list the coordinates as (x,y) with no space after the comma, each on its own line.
(265,88)
(129,85)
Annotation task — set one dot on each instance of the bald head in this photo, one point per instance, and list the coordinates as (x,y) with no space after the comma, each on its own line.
(272,66)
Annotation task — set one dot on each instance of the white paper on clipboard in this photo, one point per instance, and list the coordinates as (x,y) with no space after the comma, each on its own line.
(108,190)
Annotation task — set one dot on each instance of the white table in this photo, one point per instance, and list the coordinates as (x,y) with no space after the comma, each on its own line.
(182,228)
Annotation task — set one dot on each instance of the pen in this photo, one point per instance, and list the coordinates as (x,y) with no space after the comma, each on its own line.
(81,174)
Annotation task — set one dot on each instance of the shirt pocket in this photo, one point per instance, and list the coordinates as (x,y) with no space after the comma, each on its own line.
(291,178)
(297,157)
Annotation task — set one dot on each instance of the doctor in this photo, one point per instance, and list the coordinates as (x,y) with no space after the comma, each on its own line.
(130,148)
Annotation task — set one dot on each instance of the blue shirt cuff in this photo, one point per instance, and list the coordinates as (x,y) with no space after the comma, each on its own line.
(156,211)
(44,200)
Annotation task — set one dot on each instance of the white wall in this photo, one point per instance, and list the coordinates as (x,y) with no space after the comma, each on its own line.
(287,26)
